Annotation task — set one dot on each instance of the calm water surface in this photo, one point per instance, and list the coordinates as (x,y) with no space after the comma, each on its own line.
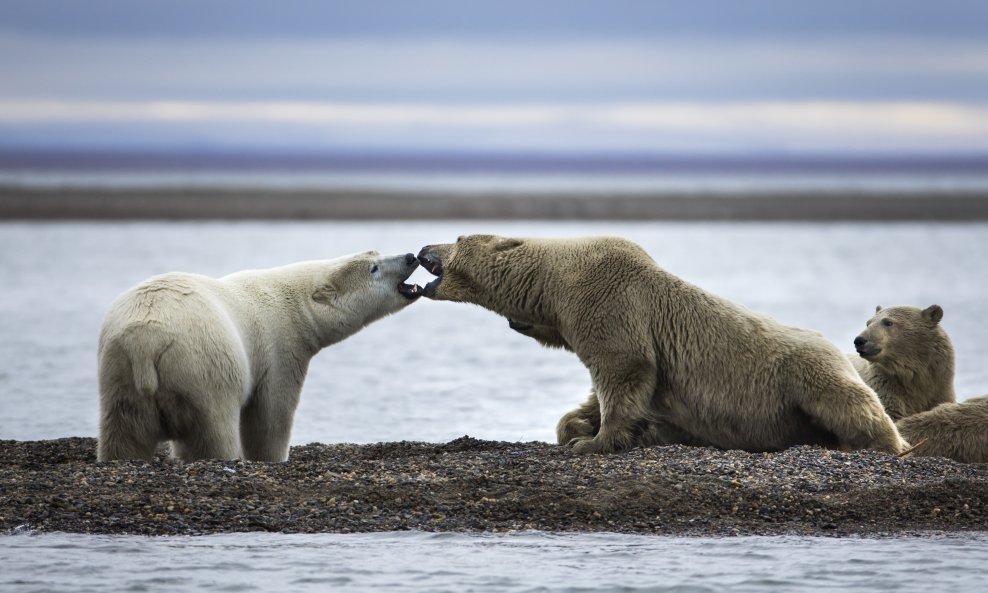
(459,563)
(437,371)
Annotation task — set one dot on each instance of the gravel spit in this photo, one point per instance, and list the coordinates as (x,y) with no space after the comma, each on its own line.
(473,486)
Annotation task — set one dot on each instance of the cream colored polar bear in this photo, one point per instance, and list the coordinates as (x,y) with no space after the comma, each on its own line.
(670,362)
(216,365)
(908,359)
(955,430)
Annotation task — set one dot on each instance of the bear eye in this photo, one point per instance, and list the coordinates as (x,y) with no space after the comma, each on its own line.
(374,269)
(887,322)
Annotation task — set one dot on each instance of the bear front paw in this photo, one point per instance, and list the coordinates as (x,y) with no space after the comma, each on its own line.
(573,428)
(519,326)
(585,445)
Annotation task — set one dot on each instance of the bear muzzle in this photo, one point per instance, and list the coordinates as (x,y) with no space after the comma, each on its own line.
(866,349)
(410,291)
(431,262)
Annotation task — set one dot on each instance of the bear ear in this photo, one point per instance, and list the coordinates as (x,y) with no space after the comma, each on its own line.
(325,294)
(934,313)
(878,308)
(506,244)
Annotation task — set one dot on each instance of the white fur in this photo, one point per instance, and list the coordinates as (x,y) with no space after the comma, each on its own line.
(216,365)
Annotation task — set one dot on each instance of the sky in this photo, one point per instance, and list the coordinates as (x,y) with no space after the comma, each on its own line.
(731,76)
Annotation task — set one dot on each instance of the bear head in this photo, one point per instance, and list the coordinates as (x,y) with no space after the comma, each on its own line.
(476,269)
(349,292)
(901,334)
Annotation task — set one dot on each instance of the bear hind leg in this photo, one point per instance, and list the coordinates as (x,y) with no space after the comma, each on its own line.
(207,434)
(206,446)
(853,413)
(129,428)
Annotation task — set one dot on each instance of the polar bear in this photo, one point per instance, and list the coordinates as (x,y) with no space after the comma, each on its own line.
(216,365)
(665,357)
(905,355)
(958,431)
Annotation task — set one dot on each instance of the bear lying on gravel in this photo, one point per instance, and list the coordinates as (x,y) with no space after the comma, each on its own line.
(216,365)
(958,431)
(670,362)
(907,358)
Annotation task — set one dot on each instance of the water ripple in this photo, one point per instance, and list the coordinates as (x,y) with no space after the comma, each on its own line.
(520,562)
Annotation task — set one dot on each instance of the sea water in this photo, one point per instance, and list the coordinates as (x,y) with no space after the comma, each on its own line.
(436,371)
(460,563)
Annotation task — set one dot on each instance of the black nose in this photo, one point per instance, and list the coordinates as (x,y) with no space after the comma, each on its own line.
(410,259)
(859,342)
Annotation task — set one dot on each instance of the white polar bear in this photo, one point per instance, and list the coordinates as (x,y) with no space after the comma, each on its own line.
(216,365)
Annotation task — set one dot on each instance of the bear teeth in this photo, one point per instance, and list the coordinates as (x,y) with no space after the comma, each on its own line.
(410,291)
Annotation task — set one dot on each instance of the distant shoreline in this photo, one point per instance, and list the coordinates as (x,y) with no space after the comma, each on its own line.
(204,203)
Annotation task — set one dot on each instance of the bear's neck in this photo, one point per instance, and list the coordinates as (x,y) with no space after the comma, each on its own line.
(280,313)
(920,387)
(521,296)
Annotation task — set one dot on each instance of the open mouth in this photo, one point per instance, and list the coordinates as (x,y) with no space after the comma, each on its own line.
(431,263)
(435,266)
(414,291)
(410,291)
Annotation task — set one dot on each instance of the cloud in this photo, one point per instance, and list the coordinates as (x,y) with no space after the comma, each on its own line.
(654,125)
(903,119)
(444,70)
(669,93)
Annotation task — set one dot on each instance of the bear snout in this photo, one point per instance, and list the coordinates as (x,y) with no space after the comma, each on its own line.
(410,259)
(865,348)
(434,264)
